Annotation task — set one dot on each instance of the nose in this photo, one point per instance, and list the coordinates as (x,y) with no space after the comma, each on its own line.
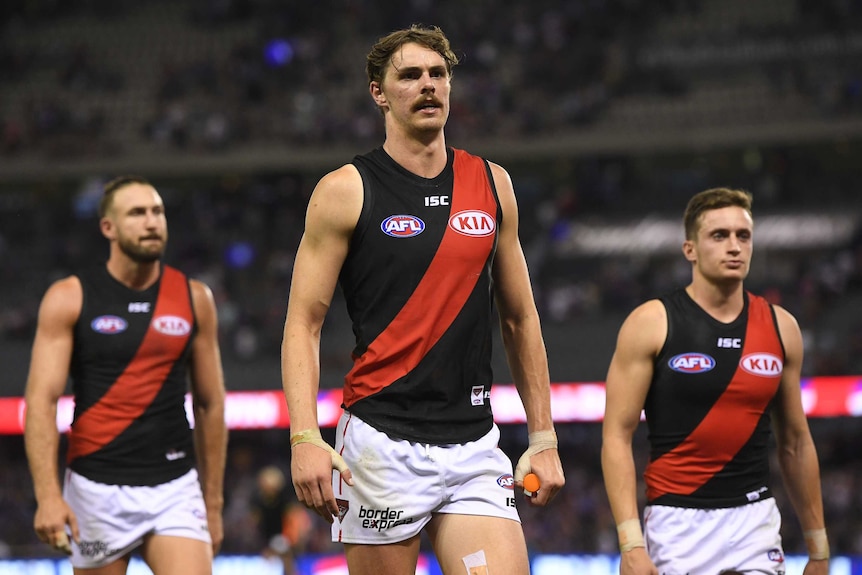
(429,85)
(152,219)
(734,244)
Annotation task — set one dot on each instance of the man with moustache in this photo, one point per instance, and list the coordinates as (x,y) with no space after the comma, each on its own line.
(423,239)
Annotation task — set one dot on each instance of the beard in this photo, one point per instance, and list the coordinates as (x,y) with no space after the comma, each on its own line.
(140,253)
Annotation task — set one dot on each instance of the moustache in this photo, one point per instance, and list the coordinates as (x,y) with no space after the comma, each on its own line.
(428,102)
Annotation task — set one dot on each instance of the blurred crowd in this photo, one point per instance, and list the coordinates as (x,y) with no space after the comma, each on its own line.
(578,521)
(89,81)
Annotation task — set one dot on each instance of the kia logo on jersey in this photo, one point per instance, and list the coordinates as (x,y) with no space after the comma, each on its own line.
(402,226)
(691,363)
(109,324)
(764,364)
(473,223)
(171,325)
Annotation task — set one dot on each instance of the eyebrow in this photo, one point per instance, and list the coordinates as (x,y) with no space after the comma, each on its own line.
(412,69)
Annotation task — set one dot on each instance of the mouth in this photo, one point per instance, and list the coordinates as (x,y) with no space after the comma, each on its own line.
(427,106)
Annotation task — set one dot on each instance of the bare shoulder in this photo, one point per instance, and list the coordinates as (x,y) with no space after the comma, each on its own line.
(647,313)
(63,300)
(645,326)
(499,173)
(502,180)
(203,303)
(786,321)
(790,333)
(341,185)
(337,199)
(506,195)
(200,291)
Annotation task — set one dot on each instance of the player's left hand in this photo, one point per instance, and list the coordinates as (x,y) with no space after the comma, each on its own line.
(546,464)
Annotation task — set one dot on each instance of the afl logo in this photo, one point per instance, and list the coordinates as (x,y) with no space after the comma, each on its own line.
(473,223)
(109,324)
(171,325)
(506,481)
(402,226)
(764,364)
(691,363)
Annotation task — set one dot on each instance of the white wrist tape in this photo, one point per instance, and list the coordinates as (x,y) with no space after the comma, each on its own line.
(817,543)
(539,441)
(630,535)
(313,437)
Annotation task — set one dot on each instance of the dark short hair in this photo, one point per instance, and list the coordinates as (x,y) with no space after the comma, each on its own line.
(116,184)
(713,199)
(432,37)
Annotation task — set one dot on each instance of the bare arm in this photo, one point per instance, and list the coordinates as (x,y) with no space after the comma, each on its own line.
(333,211)
(208,395)
(49,372)
(522,337)
(629,376)
(797,455)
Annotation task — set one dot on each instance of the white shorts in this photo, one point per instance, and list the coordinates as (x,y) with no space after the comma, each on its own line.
(684,541)
(114,519)
(398,484)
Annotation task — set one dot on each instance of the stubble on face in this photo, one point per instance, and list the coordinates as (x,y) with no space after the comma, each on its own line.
(144,250)
(141,242)
(418,83)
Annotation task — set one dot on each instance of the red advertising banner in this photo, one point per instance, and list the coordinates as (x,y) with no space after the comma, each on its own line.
(839,396)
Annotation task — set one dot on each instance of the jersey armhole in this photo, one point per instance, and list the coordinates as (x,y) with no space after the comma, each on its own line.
(668,331)
(365,213)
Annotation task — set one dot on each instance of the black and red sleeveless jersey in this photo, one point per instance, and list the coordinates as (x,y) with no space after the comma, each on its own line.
(130,376)
(417,281)
(708,406)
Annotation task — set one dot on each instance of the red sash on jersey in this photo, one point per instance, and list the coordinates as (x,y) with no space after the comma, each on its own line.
(440,295)
(138,385)
(729,424)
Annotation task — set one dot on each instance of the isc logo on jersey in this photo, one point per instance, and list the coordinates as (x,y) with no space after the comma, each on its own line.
(109,324)
(171,325)
(473,223)
(764,364)
(691,363)
(402,226)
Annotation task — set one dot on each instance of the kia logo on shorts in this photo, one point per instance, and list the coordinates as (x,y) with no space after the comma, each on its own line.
(109,324)
(402,226)
(506,481)
(691,363)
(764,364)
(171,325)
(473,223)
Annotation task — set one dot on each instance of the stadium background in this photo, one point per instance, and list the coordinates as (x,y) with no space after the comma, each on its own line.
(608,114)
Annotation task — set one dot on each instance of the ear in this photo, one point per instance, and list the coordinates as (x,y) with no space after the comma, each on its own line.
(107,228)
(689,250)
(376,90)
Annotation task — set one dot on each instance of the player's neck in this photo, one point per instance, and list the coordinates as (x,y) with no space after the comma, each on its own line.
(425,158)
(724,302)
(132,274)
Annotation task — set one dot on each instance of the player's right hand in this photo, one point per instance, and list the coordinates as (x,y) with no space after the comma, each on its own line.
(636,562)
(311,465)
(50,523)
